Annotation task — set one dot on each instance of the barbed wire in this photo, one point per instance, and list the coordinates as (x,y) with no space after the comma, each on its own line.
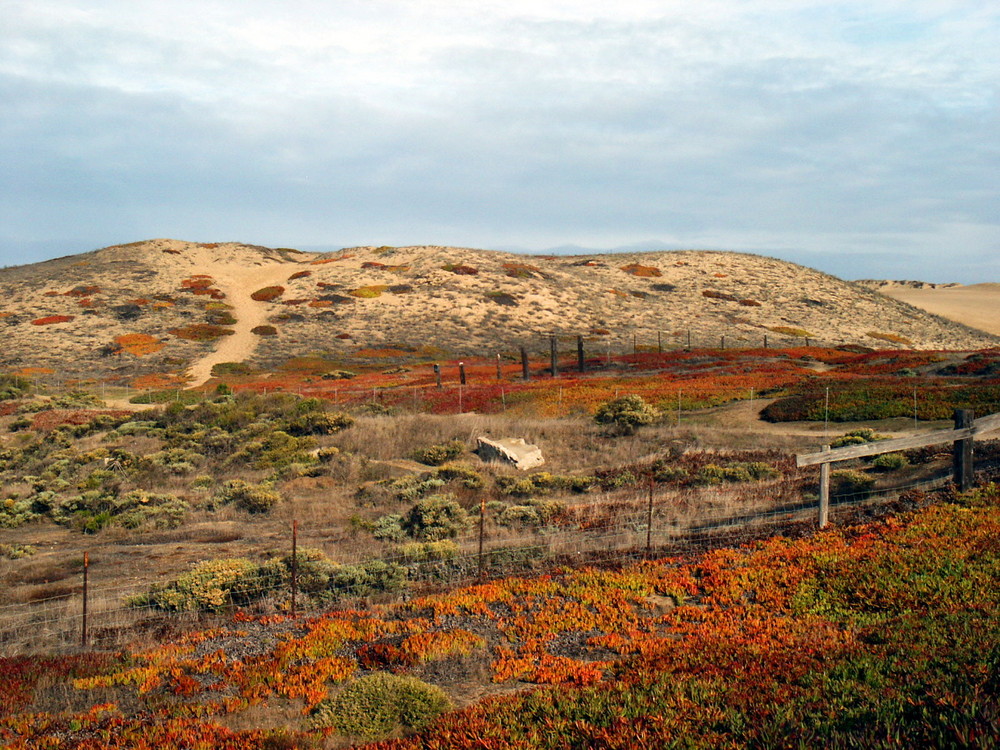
(56,622)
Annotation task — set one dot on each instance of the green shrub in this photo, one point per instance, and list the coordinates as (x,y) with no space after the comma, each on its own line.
(253,498)
(209,586)
(436,517)
(858,437)
(890,462)
(530,514)
(626,414)
(851,483)
(668,474)
(469,477)
(445,549)
(436,455)
(375,705)
(389,528)
(319,423)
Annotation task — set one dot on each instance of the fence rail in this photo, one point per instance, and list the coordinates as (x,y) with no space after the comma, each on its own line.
(645,525)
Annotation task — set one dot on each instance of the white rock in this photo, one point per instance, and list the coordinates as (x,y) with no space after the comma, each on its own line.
(510,450)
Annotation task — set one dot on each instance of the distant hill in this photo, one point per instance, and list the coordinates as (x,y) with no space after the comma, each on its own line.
(164,306)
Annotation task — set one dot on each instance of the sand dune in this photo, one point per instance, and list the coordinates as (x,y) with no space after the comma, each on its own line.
(976,305)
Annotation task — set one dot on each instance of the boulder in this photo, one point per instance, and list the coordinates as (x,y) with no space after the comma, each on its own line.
(510,450)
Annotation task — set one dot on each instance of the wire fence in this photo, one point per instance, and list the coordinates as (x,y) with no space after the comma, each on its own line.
(644,524)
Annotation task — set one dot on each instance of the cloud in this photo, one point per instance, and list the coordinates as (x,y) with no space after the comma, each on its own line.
(858,128)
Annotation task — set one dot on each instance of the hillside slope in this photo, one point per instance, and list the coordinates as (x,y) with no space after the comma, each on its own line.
(166,306)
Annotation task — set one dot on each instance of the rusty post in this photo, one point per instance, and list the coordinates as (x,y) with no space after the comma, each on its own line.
(579,354)
(525,370)
(553,356)
(437,375)
(499,372)
(461,373)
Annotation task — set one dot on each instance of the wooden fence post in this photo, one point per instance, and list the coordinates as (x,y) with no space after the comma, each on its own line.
(579,353)
(437,375)
(525,371)
(295,563)
(659,342)
(86,573)
(765,341)
(461,373)
(962,452)
(553,356)
(649,520)
(499,373)
(482,532)
(689,340)
(824,492)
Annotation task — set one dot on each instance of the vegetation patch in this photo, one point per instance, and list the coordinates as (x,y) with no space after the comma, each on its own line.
(264,330)
(502,298)
(299,275)
(139,344)
(201,332)
(268,293)
(52,319)
(892,338)
(712,294)
(789,331)
(645,271)
(520,270)
(369,292)
(458,268)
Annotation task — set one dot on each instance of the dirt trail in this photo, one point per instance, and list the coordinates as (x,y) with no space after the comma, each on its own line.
(239,282)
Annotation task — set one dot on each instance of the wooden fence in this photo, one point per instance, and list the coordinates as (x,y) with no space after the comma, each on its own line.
(962,436)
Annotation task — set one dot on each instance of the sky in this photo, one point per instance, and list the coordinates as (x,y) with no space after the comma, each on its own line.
(860,138)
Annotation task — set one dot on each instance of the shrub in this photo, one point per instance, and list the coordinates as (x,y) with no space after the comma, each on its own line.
(319,423)
(625,414)
(851,483)
(436,517)
(390,528)
(469,477)
(268,293)
(439,454)
(890,461)
(375,705)
(444,549)
(788,331)
(264,330)
(253,498)
(532,513)
(858,437)
(210,587)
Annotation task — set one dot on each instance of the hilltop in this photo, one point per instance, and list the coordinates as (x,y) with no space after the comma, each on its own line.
(177,308)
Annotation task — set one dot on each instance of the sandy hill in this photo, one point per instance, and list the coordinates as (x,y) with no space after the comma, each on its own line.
(171,306)
(976,305)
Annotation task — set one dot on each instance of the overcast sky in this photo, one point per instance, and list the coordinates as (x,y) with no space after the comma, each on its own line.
(857,137)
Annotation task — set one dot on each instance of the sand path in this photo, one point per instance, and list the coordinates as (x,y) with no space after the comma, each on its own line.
(239,282)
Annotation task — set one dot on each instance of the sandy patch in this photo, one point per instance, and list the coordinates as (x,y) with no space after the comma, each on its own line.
(976,305)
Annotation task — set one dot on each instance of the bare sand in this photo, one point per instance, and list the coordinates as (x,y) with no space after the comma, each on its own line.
(976,305)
